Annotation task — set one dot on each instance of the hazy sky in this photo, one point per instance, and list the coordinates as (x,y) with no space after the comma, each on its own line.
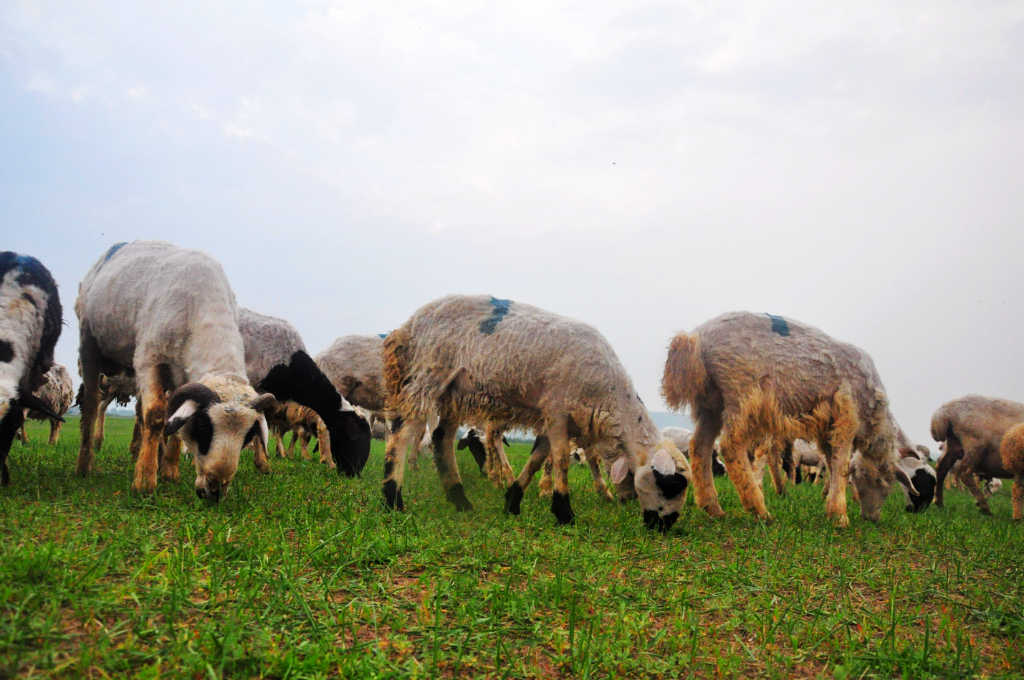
(639,166)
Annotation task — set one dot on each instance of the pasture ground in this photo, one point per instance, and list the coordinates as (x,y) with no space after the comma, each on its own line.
(302,574)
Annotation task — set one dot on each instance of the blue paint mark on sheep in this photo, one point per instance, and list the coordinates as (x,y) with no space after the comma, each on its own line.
(779,324)
(382,335)
(113,249)
(501,308)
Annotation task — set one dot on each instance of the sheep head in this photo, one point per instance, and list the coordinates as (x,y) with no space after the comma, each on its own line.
(216,431)
(660,483)
(872,479)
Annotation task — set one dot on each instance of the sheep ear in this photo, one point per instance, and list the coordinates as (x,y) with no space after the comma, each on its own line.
(263,402)
(904,479)
(181,416)
(663,463)
(462,443)
(620,468)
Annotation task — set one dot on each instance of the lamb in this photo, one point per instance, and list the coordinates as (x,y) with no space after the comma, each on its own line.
(972,429)
(30,323)
(57,394)
(303,423)
(169,316)
(753,376)
(482,359)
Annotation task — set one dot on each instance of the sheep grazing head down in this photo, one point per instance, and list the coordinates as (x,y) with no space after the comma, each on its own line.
(659,482)
(873,480)
(216,432)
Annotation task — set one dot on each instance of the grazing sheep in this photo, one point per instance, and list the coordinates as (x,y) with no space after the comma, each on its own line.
(269,341)
(57,394)
(582,457)
(489,453)
(921,490)
(753,376)
(972,429)
(480,359)
(354,366)
(30,323)
(169,316)
(681,437)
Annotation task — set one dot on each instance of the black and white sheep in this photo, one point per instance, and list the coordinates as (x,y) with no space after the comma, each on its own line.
(30,323)
(754,376)
(169,316)
(481,359)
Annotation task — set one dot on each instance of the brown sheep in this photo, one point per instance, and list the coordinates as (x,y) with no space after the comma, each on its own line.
(972,428)
(753,376)
(480,359)
(1011,451)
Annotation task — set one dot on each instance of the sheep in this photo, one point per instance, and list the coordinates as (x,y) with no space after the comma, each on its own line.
(57,394)
(922,481)
(489,453)
(580,456)
(753,376)
(481,359)
(354,366)
(30,323)
(681,437)
(267,342)
(972,429)
(169,316)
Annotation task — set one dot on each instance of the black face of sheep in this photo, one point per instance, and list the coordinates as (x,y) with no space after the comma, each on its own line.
(660,487)
(216,432)
(476,447)
(301,380)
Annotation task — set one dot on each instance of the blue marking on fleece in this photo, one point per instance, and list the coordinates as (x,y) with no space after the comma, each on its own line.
(113,249)
(501,308)
(382,335)
(779,324)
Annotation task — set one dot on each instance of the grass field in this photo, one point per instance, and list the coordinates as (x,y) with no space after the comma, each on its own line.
(303,574)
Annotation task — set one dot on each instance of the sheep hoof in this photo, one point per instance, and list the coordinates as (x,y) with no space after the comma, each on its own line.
(561,508)
(842,521)
(393,496)
(714,511)
(457,495)
(513,498)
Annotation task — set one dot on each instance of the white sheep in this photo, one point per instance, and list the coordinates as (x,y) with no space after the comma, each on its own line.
(480,359)
(169,315)
(754,376)
(30,323)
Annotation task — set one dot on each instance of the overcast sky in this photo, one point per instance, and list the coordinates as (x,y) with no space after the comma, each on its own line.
(639,166)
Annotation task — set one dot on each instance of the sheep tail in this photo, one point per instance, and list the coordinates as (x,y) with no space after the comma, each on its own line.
(396,361)
(942,425)
(1011,450)
(685,376)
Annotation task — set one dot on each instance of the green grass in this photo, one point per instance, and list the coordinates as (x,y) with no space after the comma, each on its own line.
(303,574)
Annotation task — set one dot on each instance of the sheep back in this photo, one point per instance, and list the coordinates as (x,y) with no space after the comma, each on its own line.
(268,341)
(983,420)
(354,365)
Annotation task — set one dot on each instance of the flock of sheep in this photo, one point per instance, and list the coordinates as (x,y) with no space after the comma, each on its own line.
(161,323)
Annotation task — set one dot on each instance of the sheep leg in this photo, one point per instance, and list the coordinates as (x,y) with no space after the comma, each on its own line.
(514,494)
(55,426)
(89,358)
(839,471)
(954,452)
(443,439)
(291,444)
(558,435)
(12,420)
(972,456)
(325,444)
(22,435)
(304,444)
(154,416)
(169,461)
(101,421)
(136,442)
(544,487)
(735,446)
(709,424)
(775,463)
(399,441)
(260,459)
(1018,497)
(600,487)
(500,469)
